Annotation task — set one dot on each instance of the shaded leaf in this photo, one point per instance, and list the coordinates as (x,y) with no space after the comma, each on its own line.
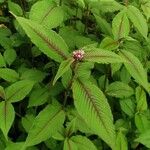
(119,89)
(47,123)
(9,74)
(18,91)
(7,115)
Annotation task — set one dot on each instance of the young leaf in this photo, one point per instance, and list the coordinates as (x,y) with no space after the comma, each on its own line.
(102,56)
(64,66)
(138,20)
(18,91)
(7,115)
(48,41)
(93,107)
(83,143)
(49,15)
(9,74)
(120,25)
(135,68)
(119,89)
(46,124)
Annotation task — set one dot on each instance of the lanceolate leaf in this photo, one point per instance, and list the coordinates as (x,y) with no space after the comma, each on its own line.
(48,41)
(102,56)
(138,20)
(18,90)
(7,115)
(49,15)
(9,74)
(120,25)
(93,107)
(135,68)
(64,66)
(46,124)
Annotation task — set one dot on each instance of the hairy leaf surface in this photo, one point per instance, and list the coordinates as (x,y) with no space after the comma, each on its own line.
(93,107)
(102,56)
(135,68)
(48,41)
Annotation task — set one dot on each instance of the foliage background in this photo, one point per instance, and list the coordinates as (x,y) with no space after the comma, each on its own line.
(51,100)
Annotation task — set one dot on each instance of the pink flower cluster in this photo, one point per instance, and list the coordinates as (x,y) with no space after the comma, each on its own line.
(78,54)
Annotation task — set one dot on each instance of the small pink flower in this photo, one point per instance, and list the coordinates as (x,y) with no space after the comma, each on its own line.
(78,54)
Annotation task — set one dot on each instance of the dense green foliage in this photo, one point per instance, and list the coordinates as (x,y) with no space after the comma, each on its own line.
(74,74)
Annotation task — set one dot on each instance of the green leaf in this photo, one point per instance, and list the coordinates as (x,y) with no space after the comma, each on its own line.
(103,24)
(109,44)
(93,107)
(83,143)
(127,106)
(33,74)
(69,145)
(144,138)
(10,56)
(64,66)
(141,99)
(119,89)
(102,56)
(83,70)
(38,97)
(120,25)
(2,92)
(142,122)
(46,124)
(2,61)
(48,41)
(135,68)
(9,74)
(15,8)
(18,91)
(7,115)
(49,15)
(146,9)
(138,20)
(27,121)
(121,142)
